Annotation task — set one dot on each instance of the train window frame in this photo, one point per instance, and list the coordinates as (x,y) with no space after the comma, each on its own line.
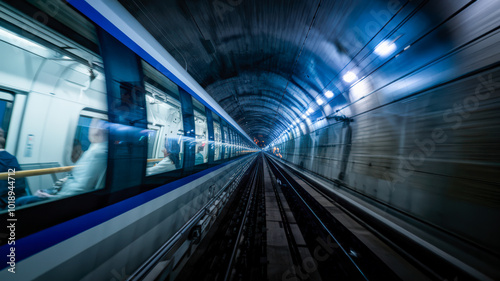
(8,98)
(199,112)
(159,94)
(100,184)
(217,139)
(225,142)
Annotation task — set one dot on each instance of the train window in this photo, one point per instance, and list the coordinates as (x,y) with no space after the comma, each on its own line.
(165,146)
(232,142)
(217,137)
(201,131)
(70,18)
(6,101)
(238,144)
(62,154)
(226,142)
(155,78)
(165,131)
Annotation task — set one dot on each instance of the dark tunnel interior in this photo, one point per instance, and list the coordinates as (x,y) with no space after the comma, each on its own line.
(397,99)
(389,109)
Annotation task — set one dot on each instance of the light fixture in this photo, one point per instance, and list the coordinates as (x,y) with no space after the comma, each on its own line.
(349,76)
(20,42)
(329,94)
(303,116)
(385,48)
(319,101)
(309,111)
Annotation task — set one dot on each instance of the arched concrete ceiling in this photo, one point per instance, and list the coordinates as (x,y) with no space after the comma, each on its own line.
(266,62)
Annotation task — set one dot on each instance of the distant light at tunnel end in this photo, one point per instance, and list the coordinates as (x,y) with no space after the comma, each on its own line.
(350,77)
(385,48)
(329,94)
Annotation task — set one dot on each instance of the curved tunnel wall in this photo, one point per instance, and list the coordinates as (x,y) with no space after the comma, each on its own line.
(420,135)
(411,132)
(433,156)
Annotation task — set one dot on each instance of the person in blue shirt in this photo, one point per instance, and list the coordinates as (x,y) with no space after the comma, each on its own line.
(9,161)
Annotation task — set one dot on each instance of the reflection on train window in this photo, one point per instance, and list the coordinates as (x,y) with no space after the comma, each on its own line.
(59,152)
(231,143)
(227,148)
(165,131)
(152,140)
(217,137)
(237,145)
(201,131)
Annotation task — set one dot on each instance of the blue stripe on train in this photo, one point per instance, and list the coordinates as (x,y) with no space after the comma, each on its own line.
(103,22)
(37,242)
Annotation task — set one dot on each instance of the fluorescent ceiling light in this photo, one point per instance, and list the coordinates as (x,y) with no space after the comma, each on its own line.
(385,48)
(319,101)
(20,42)
(350,76)
(329,94)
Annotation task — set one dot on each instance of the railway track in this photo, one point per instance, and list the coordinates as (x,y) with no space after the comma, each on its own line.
(312,243)
(336,251)
(234,250)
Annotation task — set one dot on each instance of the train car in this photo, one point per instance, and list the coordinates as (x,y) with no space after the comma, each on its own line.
(105,156)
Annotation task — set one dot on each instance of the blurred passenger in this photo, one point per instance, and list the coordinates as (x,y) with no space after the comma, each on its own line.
(199,158)
(89,171)
(77,151)
(9,161)
(171,160)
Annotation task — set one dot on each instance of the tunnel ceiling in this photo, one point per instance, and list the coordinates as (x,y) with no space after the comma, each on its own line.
(265,62)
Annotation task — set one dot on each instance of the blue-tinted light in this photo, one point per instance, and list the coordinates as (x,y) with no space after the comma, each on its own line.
(350,76)
(385,48)
(329,94)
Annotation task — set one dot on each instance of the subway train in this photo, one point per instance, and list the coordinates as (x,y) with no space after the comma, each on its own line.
(104,155)
(419,139)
